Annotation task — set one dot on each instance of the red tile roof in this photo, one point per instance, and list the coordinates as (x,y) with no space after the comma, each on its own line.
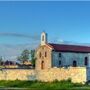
(70,48)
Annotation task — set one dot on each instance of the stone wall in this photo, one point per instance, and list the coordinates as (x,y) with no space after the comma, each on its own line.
(76,74)
(17,74)
(46,60)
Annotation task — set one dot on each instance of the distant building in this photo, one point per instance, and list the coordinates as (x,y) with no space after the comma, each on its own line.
(27,63)
(8,64)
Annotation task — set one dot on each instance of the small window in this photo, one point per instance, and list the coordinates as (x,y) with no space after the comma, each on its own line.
(86,61)
(43,38)
(59,54)
(45,54)
(59,63)
(40,54)
(74,63)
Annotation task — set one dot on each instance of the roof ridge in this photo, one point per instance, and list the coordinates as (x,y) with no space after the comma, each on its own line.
(69,48)
(68,45)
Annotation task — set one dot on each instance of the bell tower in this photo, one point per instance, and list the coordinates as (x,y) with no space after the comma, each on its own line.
(43,38)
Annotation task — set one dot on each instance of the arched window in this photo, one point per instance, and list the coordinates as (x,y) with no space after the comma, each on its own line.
(59,62)
(86,61)
(45,54)
(43,38)
(59,54)
(40,55)
(74,63)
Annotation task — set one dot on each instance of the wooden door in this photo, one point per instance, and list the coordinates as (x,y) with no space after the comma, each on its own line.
(42,65)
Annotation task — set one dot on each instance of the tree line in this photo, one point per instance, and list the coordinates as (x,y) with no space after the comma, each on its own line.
(25,56)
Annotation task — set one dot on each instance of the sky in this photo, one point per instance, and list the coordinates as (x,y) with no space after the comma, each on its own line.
(21,23)
(69,21)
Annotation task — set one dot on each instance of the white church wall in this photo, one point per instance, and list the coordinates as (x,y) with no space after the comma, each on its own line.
(67,58)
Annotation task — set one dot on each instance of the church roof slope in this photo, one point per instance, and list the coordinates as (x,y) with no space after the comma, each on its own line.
(70,48)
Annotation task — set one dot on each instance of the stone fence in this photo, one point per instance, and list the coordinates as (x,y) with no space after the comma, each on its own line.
(17,74)
(76,74)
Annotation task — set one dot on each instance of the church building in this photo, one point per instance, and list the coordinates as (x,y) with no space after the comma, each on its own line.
(51,55)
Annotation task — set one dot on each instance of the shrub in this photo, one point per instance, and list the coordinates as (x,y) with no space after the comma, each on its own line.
(63,85)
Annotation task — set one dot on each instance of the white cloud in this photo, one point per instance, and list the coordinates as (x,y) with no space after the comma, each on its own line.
(10,52)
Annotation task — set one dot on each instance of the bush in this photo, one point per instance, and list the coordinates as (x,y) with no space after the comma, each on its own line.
(63,85)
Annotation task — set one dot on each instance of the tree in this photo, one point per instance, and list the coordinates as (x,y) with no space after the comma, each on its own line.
(19,58)
(1,59)
(33,58)
(24,56)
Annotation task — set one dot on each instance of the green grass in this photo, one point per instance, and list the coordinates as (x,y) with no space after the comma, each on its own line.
(37,85)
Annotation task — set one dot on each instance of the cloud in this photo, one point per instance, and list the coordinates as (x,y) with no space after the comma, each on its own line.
(10,52)
(33,37)
(61,41)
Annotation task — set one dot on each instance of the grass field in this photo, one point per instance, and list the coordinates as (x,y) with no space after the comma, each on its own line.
(37,85)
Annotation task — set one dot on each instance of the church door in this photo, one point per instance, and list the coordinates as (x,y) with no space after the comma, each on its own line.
(42,65)
(74,63)
(86,61)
